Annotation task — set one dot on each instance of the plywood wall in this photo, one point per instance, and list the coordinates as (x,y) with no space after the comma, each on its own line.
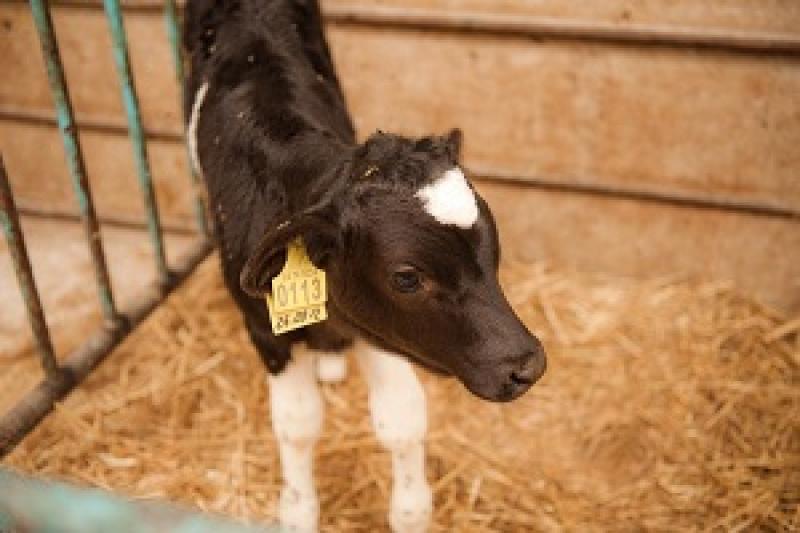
(709,127)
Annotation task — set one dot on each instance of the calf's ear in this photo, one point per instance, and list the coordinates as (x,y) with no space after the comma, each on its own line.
(317,227)
(453,140)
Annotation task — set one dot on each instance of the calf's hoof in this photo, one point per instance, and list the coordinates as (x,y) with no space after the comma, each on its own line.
(299,513)
(331,368)
(411,509)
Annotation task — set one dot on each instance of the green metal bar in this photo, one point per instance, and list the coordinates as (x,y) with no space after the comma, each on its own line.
(80,183)
(22,266)
(44,506)
(174,36)
(136,133)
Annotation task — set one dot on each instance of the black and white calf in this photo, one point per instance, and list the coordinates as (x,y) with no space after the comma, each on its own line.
(410,250)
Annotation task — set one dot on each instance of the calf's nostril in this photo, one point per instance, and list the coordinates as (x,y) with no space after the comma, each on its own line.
(521,379)
(530,371)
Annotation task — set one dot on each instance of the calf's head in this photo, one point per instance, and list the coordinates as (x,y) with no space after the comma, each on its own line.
(411,253)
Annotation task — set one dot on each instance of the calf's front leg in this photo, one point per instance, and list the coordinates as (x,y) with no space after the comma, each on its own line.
(399,416)
(297,410)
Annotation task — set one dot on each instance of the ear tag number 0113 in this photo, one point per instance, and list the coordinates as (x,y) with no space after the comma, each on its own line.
(299,292)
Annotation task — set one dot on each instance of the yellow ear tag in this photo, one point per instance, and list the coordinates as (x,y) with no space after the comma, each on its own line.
(299,292)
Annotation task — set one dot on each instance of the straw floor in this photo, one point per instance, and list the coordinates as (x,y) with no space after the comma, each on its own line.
(669,405)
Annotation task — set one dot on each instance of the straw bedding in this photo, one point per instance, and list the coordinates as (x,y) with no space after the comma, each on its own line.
(669,405)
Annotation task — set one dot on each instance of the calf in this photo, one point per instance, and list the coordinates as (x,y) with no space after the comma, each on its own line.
(409,249)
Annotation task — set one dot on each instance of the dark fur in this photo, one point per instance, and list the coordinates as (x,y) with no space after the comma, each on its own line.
(278,152)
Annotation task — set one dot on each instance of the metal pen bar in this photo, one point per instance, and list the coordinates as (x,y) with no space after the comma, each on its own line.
(72,147)
(31,504)
(22,266)
(35,405)
(174,36)
(119,42)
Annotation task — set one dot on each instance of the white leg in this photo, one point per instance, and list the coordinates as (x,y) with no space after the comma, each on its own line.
(331,367)
(297,421)
(399,415)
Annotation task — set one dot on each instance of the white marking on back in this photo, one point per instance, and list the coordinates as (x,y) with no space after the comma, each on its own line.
(450,200)
(191,133)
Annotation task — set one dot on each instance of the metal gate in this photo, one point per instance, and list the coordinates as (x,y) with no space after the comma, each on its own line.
(61,377)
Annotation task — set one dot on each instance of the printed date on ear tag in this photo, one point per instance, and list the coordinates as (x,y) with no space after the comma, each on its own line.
(299,292)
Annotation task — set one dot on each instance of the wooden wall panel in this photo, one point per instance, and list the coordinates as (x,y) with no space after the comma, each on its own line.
(85,47)
(744,15)
(749,15)
(647,239)
(698,124)
(702,124)
(36,165)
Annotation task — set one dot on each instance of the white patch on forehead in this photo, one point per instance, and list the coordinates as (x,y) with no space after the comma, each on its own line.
(450,200)
(192,131)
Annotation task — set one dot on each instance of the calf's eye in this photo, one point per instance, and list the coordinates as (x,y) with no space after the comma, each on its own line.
(406,279)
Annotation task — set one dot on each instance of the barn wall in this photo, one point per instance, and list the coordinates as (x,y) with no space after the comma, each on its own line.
(633,122)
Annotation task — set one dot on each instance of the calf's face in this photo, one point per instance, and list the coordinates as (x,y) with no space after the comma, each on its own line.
(411,253)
